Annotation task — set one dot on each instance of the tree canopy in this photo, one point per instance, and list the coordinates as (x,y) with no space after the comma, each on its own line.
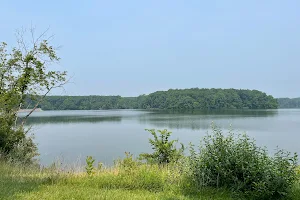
(194,98)
(289,103)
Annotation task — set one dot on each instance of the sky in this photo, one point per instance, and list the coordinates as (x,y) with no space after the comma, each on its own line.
(130,48)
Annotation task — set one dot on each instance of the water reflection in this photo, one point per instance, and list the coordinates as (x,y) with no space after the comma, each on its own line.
(224,113)
(106,135)
(171,119)
(72,119)
(199,119)
(80,116)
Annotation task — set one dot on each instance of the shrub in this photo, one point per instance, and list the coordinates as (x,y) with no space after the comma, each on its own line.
(24,152)
(128,164)
(89,168)
(236,162)
(165,151)
(9,134)
(15,145)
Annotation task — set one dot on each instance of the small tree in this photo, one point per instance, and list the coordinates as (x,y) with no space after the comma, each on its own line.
(24,75)
(165,151)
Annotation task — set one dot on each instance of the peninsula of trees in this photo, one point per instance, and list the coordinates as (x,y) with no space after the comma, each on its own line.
(194,98)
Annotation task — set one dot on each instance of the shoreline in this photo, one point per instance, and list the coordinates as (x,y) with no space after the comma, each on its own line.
(28,110)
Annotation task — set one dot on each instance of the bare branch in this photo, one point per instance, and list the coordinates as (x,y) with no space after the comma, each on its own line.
(32,30)
(20,40)
(41,36)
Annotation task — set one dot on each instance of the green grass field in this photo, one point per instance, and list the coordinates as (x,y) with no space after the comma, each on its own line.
(141,182)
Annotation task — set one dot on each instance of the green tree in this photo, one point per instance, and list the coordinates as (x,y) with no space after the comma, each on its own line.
(165,150)
(289,103)
(194,98)
(24,74)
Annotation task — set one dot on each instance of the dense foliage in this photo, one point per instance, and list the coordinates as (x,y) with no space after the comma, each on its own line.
(194,98)
(289,103)
(236,162)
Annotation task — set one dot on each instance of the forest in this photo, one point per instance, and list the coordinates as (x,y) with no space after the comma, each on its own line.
(289,103)
(194,98)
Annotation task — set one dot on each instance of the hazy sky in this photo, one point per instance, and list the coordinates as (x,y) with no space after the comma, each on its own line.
(137,47)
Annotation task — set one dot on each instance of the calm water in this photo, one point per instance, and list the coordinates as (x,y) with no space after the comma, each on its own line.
(72,135)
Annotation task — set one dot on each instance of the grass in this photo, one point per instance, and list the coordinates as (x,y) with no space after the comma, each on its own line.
(142,182)
(120,183)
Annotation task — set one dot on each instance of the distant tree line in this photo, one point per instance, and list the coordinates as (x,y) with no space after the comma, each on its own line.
(194,98)
(289,103)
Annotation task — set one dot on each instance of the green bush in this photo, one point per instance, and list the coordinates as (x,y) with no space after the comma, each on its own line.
(165,151)
(9,136)
(24,152)
(127,164)
(15,145)
(236,162)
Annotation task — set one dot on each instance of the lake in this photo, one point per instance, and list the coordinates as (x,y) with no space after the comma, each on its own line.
(70,136)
